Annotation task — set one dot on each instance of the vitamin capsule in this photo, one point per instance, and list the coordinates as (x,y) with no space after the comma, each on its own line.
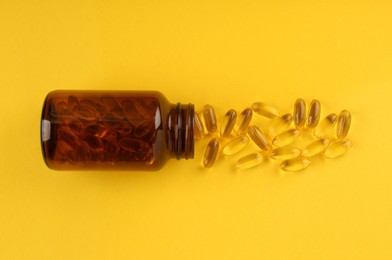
(299,113)
(228,123)
(325,126)
(198,128)
(258,138)
(285,153)
(210,119)
(244,121)
(235,145)
(314,113)
(315,147)
(249,161)
(211,153)
(265,110)
(280,124)
(285,138)
(338,149)
(343,126)
(295,165)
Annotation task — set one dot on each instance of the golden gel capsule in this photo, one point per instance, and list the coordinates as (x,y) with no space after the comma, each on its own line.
(258,138)
(249,161)
(280,124)
(198,128)
(314,113)
(243,121)
(315,147)
(236,145)
(265,110)
(211,153)
(228,123)
(295,165)
(343,126)
(338,149)
(285,138)
(210,119)
(325,126)
(299,113)
(285,153)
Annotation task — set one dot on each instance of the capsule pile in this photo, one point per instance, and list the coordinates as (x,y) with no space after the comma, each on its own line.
(292,139)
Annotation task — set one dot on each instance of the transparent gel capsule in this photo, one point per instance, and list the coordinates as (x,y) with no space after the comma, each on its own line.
(198,128)
(299,113)
(228,123)
(285,138)
(243,121)
(343,126)
(338,149)
(211,153)
(258,138)
(249,161)
(265,110)
(315,147)
(314,114)
(210,119)
(295,165)
(325,126)
(285,153)
(280,124)
(235,146)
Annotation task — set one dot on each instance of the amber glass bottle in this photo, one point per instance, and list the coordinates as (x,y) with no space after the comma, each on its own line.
(114,130)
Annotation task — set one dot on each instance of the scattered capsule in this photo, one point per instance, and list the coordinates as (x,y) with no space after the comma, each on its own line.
(285,138)
(228,123)
(299,113)
(314,113)
(198,127)
(265,110)
(280,124)
(235,146)
(258,138)
(344,122)
(249,161)
(210,119)
(243,121)
(325,126)
(295,165)
(338,149)
(285,153)
(211,153)
(315,147)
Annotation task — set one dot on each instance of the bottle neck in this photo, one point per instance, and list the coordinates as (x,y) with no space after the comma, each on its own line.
(180,137)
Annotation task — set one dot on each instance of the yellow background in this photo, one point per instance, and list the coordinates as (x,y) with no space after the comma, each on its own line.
(229,54)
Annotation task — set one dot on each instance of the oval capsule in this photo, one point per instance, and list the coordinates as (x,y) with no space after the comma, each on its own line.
(315,147)
(235,146)
(211,153)
(338,149)
(299,113)
(285,138)
(314,114)
(280,124)
(210,119)
(198,128)
(243,121)
(228,123)
(258,137)
(343,125)
(326,125)
(285,153)
(249,161)
(295,165)
(265,110)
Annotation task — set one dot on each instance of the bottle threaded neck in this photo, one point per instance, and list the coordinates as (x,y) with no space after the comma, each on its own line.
(180,137)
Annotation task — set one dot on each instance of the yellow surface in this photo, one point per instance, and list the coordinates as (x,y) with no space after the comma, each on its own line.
(229,54)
